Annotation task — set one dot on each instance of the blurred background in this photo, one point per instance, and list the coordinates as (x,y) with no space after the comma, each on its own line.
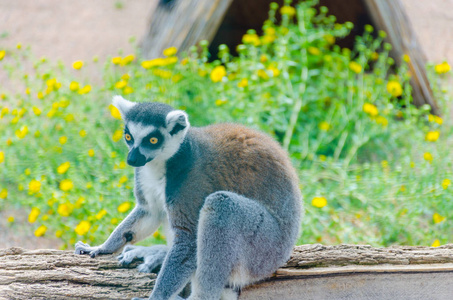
(357,91)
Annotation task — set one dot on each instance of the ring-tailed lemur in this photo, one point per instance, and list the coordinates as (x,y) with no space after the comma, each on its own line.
(230,194)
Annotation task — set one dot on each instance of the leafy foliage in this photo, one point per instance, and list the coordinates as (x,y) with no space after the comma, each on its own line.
(374,169)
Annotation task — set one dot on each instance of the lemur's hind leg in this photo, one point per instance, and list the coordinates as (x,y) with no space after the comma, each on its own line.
(238,242)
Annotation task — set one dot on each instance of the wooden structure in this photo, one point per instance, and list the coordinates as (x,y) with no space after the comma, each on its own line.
(185,23)
(313,272)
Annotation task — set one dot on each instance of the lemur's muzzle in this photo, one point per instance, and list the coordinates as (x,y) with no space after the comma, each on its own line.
(135,158)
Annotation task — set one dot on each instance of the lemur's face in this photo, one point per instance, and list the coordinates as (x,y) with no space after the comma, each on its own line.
(151,130)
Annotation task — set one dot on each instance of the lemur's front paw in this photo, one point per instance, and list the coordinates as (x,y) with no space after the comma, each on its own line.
(82,248)
(153,256)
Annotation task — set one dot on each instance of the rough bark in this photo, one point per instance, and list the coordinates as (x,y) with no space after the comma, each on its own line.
(56,274)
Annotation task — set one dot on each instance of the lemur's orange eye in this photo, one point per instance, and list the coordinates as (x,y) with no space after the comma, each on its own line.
(128,137)
(153,140)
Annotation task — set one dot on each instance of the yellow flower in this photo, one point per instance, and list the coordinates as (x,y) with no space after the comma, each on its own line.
(438,120)
(218,73)
(22,132)
(124,207)
(262,74)
(162,73)
(117,60)
(370,109)
(77,64)
(65,209)
(91,153)
(69,118)
(120,84)
(117,135)
(82,228)
(432,136)
(442,68)
(438,218)
(34,213)
(123,179)
(330,39)
(406,58)
(251,39)
(436,243)
(177,78)
(122,165)
(355,67)
(115,112)
(101,214)
(66,185)
(324,126)
(170,51)
(10,219)
(394,88)
(5,111)
(74,86)
(382,121)
(40,231)
(58,233)
(85,90)
(36,110)
(274,70)
(63,140)
(27,171)
(446,183)
(128,90)
(314,51)
(428,156)
(2,54)
(114,221)
(319,202)
(243,83)
(63,167)
(3,194)
(2,156)
(288,10)
(127,59)
(34,186)
(220,102)
(83,133)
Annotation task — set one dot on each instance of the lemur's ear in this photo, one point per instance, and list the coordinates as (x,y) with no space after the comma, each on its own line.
(123,105)
(176,121)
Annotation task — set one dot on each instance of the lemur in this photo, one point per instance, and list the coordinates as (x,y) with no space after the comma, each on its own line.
(228,195)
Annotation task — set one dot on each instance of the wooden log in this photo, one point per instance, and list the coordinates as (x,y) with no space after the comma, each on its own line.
(182,24)
(390,16)
(313,272)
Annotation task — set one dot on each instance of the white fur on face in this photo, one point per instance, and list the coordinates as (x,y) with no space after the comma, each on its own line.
(139,131)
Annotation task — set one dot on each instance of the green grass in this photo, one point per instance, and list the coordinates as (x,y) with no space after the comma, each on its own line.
(345,117)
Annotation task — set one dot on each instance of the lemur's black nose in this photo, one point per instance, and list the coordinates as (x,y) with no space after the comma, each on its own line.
(135,158)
